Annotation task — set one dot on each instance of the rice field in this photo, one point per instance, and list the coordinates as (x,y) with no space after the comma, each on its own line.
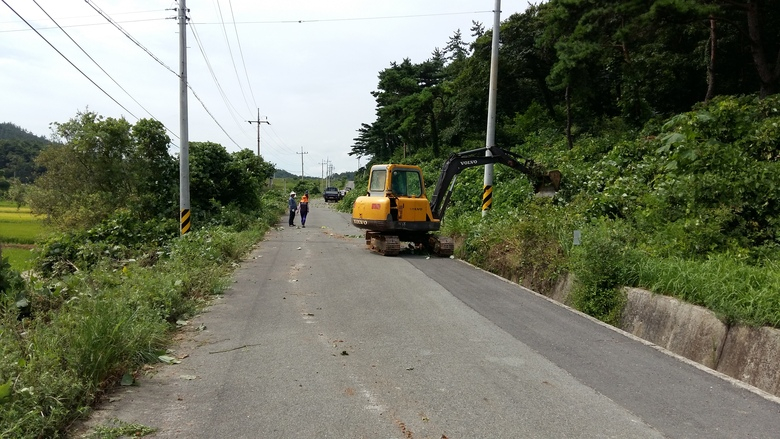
(19,230)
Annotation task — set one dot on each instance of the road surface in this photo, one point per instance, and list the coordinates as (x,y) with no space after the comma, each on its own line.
(319,338)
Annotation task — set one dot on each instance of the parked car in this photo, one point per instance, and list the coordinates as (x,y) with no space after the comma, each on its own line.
(331,194)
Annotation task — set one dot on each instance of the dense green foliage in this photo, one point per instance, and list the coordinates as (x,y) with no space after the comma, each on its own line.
(107,165)
(578,62)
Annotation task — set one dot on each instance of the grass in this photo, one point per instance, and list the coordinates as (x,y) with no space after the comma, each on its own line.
(20,258)
(736,291)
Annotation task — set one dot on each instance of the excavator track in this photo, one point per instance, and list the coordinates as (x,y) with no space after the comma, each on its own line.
(441,245)
(387,245)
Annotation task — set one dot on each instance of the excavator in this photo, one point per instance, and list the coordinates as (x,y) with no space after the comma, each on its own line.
(395,209)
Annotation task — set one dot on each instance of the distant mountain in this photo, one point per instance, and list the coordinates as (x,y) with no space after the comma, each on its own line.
(18,150)
(9,131)
(281,173)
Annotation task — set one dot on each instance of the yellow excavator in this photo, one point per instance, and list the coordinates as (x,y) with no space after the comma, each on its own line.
(396,209)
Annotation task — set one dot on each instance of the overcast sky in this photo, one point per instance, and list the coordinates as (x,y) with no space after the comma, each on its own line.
(309,66)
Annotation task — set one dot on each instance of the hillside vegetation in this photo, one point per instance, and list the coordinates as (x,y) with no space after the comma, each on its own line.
(662,117)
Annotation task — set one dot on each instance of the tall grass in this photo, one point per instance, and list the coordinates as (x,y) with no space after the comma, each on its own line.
(737,291)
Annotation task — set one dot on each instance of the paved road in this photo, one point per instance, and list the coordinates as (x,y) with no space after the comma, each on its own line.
(318,338)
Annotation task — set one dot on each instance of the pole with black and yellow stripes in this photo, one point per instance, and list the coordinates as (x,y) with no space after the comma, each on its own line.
(487,189)
(184,146)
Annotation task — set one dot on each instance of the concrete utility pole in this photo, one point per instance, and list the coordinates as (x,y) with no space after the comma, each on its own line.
(258,122)
(327,172)
(302,154)
(487,189)
(184,145)
(322,171)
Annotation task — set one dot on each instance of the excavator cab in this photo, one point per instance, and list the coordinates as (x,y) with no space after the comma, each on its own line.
(395,200)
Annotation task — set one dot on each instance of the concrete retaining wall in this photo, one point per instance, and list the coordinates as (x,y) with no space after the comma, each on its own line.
(751,355)
(748,354)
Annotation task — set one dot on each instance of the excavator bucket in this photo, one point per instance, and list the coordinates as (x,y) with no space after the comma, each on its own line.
(549,184)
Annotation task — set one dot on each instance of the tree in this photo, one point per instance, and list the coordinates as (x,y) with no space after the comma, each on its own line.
(17,192)
(104,164)
(156,171)
(410,105)
(218,178)
(757,24)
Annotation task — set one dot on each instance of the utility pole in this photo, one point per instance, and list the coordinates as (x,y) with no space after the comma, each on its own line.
(322,170)
(327,172)
(184,144)
(487,188)
(302,154)
(258,122)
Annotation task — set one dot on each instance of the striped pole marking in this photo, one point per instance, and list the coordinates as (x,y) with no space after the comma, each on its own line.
(185,221)
(487,197)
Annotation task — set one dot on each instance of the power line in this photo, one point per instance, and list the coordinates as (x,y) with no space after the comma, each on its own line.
(84,25)
(116,25)
(241,52)
(387,17)
(232,58)
(101,68)
(230,107)
(136,42)
(68,60)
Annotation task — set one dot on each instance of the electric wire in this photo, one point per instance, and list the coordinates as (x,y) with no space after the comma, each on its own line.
(137,43)
(232,58)
(68,60)
(101,68)
(241,52)
(82,25)
(387,17)
(90,16)
(228,104)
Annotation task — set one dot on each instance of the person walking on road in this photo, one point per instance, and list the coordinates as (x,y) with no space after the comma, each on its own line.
(304,206)
(293,207)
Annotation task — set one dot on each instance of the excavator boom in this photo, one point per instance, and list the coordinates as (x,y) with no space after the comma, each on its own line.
(477,157)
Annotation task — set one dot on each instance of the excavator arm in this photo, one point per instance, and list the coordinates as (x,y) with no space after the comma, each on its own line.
(461,160)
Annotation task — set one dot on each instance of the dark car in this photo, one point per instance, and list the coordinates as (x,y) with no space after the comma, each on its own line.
(331,194)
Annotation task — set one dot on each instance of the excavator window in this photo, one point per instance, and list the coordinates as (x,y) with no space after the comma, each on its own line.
(378,178)
(406,183)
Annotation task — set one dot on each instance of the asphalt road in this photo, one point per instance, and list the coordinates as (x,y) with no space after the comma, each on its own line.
(319,338)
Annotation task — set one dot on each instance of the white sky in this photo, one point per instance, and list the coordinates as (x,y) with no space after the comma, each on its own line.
(311,79)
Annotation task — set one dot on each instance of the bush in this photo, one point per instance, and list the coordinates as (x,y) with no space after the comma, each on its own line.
(119,238)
